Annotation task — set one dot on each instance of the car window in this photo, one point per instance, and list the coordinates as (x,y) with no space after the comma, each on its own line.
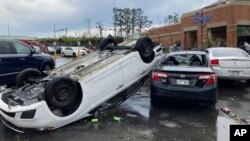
(5,48)
(229,52)
(21,48)
(186,60)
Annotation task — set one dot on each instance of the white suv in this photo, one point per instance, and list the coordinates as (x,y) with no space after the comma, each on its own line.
(75,90)
(72,51)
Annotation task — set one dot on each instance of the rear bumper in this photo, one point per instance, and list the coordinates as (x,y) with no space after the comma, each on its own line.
(204,94)
(244,74)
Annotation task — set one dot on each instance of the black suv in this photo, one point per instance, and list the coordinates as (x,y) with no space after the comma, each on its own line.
(16,56)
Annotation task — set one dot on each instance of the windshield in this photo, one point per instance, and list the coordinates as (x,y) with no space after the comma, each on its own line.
(186,60)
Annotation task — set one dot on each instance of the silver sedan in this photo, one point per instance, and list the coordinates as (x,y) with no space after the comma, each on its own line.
(229,63)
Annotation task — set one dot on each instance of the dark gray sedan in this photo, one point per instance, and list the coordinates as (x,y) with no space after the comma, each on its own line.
(184,75)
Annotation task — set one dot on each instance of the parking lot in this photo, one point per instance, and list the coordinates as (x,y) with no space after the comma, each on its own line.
(142,121)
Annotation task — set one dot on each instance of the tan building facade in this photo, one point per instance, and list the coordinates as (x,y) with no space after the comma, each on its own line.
(224,23)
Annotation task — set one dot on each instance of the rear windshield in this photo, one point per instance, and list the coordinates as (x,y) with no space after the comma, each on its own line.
(197,60)
(229,52)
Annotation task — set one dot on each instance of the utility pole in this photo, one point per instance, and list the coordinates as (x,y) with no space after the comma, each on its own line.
(8,27)
(54,30)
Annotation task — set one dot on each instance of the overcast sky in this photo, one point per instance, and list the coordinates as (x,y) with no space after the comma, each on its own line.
(37,17)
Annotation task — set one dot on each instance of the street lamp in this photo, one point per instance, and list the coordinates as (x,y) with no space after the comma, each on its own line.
(8,27)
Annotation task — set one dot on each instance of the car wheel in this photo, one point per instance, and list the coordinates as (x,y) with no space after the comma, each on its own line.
(145,47)
(60,92)
(74,55)
(63,55)
(46,67)
(24,77)
(104,43)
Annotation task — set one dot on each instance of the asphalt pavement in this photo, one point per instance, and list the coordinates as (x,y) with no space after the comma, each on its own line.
(142,121)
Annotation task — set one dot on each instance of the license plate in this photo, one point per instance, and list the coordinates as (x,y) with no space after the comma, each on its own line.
(235,73)
(182,82)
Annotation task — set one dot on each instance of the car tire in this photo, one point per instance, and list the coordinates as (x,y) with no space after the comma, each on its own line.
(46,67)
(24,76)
(106,41)
(145,47)
(74,55)
(60,92)
(63,55)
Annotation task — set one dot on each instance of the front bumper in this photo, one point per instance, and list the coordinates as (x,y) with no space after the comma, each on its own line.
(201,94)
(42,119)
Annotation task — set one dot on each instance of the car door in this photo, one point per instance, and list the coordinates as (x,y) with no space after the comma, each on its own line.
(67,51)
(25,58)
(70,51)
(133,68)
(105,86)
(8,62)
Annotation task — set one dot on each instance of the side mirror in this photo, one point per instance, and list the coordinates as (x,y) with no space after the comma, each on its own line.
(32,51)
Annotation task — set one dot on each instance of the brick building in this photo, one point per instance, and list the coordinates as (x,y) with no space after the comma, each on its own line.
(224,23)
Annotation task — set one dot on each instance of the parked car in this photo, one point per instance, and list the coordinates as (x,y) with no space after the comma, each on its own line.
(75,90)
(16,56)
(86,49)
(230,63)
(184,75)
(72,51)
(51,49)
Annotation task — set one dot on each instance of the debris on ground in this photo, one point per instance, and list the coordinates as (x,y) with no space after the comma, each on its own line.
(94,120)
(117,118)
(233,115)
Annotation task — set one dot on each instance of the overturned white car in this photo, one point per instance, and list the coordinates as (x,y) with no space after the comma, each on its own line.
(77,89)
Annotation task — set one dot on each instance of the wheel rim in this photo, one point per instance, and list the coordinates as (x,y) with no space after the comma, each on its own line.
(62,94)
(47,68)
(147,49)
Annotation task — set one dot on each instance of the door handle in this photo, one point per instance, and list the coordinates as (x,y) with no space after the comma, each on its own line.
(0,60)
(22,59)
(120,86)
(143,72)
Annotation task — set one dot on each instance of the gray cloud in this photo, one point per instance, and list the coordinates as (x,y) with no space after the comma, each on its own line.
(37,17)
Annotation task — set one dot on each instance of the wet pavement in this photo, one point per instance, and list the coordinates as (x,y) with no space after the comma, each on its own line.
(142,121)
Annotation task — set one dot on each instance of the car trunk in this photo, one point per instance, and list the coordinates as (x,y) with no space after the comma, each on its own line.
(185,76)
(235,63)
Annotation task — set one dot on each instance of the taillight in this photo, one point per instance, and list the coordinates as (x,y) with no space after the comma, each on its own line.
(215,62)
(211,78)
(157,75)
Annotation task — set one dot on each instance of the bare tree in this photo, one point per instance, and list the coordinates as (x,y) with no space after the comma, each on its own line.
(172,19)
(128,20)
(142,21)
(100,28)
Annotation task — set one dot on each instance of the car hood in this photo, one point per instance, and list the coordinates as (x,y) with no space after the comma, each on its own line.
(185,69)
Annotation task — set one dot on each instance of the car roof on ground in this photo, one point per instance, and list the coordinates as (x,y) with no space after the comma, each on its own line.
(187,52)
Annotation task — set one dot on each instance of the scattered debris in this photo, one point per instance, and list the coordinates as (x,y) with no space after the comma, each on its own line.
(94,120)
(131,115)
(233,115)
(169,124)
(117,118)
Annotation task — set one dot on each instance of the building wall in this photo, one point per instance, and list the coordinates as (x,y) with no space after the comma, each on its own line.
(229,15)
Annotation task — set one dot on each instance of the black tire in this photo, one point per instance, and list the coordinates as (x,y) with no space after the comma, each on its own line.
(106,41)
(24,76)
(60,92)
(145,47)
(74,55)
(63,55)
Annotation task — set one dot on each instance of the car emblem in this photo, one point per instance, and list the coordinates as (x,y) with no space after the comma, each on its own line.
(182,76)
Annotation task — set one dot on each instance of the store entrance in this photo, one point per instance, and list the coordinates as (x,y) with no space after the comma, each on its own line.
(217,36)
(243,35)
(191,40)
